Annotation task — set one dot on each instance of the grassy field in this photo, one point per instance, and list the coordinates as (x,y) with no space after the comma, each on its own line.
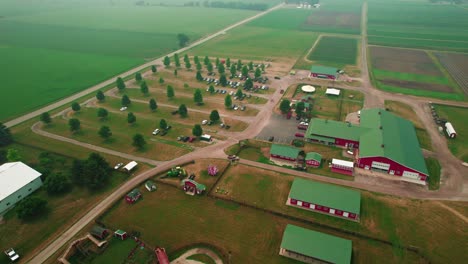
(434,168)
(41,71)
(335,51)
(417,24)
(405,111)
(456,116)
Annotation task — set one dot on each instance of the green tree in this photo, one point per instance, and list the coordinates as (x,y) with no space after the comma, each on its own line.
(153,105)
(167,61)
(198,76)
(262,67)
(31,207)
(300,109)
(233,71)
(214,116)
(211,89)
(138,77)
(76,106)
(258,73)
(3,156)
(57,183)
(45,118)
(154,69)
(239,93)
(105,132)
(285,106)
(92,172)
(223,80)
(188,65)
(186,58)
(125,100)
(199,66)
(197,130)
(74,124)
(206,61)
(217,62)
(228,101)
(183,112)
(144,88)
(245,71)
(183,39)
(251,67)
(170,92)
(221,68)
(13,155)
(239,65)
(248,84)
(177,60)
(161,80)
(120,84)
(102,113)
(162,124)
(175,72)
(228,62)
(209,67)
(139,141)
(197,96)
(196,60)
(100,96)
(131,118)
(5,135)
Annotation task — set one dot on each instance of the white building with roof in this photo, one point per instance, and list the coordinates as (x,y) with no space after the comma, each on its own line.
(17,181)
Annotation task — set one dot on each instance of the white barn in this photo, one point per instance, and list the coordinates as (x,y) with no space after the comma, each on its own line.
(17,181)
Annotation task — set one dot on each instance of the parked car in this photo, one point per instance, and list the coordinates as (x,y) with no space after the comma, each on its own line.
(271,138)
(175,112)
(118,166)
(156,131)
(204,122)
(163,133)
(301,135)
(12,255)
(123,108)
(277,78)
(281,91)
(191,139)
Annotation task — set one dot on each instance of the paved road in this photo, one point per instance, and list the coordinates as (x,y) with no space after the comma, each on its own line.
(101,85)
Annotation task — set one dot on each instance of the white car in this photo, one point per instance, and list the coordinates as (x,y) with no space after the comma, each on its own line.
(11,254)
(123,108)
(118,165)
(204,122)
(156,131)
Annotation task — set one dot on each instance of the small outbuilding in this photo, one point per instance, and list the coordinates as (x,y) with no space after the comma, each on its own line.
(133,196)
(99,232)
(451,133)
(122,235)
(161,255)
(130,166)
(308,88)
(333,91)
(282,154)
(192,187)
(314,247)
(323,72)
(313,159)
(150,186)
(342,166)
(206,137)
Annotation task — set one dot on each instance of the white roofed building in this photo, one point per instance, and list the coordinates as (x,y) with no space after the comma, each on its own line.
(17,181)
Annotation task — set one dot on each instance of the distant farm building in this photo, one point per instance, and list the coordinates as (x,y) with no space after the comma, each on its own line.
(284,155)
(193,187)
(308,89)
(333,91)
(385,142)
(161,255)
(325,198)
(150,186)
(130,166)
(451,133)
(120,234)
(324,72)
(313,159)
(133,196)
(342,166)
(99,232)
(17,181)
(314,247)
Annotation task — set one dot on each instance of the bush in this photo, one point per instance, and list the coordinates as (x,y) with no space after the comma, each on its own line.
(57,183)
(31,207)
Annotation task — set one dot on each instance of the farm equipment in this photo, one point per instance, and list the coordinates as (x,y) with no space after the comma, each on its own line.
(176,172)
(11,254)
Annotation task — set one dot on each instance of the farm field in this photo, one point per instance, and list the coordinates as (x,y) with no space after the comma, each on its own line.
(457,65)
(456,116)
(411,72)
(417,24)
(335,51)
(90,44)
(405,111)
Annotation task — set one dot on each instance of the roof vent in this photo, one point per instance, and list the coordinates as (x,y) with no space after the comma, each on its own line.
(382,145)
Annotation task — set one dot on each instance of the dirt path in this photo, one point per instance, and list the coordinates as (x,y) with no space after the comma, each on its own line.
(183,258)
(453,211)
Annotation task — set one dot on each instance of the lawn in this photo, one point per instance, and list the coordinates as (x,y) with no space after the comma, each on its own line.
(335,51)
(91,42)
(405,111)
(434,168)
(457,116)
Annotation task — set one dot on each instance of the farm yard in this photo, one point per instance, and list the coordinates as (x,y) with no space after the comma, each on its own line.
(457,116)
(122,36)
(411,72)
(417,24)
(335,51)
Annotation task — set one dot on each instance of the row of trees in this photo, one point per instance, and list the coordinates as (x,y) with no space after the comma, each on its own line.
(285,107)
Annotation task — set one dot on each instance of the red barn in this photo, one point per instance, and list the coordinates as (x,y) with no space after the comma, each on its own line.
(325,198)
(386,143)
(133,196)
(342,166)
(161,255)
(282,154)
(313,159)
(323,72)
(192,187)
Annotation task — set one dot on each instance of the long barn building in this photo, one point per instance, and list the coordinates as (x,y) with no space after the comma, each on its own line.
(384,142)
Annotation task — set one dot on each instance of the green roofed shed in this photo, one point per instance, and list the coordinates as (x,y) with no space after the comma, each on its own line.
(313,156)
(334,129)
(328,248)
(326,195)
(285,151)
(323,70)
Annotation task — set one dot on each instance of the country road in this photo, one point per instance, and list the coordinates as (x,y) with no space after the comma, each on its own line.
(455,185)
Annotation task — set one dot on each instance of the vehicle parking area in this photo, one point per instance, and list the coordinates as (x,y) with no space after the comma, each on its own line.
(283,130)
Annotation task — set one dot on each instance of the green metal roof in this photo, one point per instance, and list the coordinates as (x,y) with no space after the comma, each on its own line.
(133,193)
(317,245)
(284,150)
(334,129)
(326,194)
(313,156)
(323,70)
(392,137)
(320,138)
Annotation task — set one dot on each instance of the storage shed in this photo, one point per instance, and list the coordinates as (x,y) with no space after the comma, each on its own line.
(99,232)
(150,186)
(313,159)
(451,133)
(130,166)
(282,154)
(133,196)
(342,166)
(323,72)
(193,187)
(314,247)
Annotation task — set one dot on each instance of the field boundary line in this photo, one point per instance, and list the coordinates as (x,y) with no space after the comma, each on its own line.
(418,49)
(445,72)
(439,40)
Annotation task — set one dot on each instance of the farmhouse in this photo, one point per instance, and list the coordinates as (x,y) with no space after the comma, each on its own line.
(325,198)
(281,154)
(17,181)
(313,159)
(314,247)
(385,142)
(133,196)
(323,72)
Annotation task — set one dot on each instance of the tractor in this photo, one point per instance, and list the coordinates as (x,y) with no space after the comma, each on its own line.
(176,172)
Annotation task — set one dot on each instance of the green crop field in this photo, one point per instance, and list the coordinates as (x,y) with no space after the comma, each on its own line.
(456,116)
(418,24)
(335,51)
(52,50)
